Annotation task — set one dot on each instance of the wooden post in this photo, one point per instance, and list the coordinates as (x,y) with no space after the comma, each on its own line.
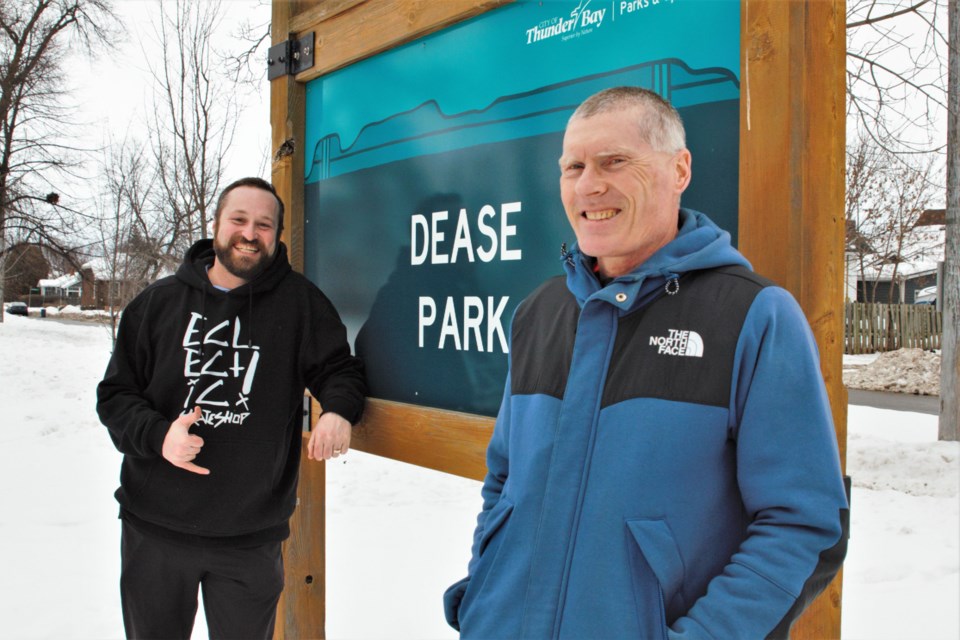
(792,146)
(287,103)
(301,612)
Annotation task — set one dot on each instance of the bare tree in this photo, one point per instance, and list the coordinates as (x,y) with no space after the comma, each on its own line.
(886,194)
(246,63)
(36,151)
(949,428)
(194,119)
(26,266)
(897,72)
(133,235)
(866,181)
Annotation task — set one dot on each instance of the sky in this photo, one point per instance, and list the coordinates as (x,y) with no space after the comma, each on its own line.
(114,90)
(912,31)
(398,535)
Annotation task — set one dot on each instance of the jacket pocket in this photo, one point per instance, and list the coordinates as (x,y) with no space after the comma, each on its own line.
(657,573)
(488,546)
(499,514)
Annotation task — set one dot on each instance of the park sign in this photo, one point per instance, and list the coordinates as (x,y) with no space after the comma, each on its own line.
(431,187)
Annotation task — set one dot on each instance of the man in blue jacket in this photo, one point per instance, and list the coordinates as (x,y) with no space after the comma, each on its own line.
(664,463)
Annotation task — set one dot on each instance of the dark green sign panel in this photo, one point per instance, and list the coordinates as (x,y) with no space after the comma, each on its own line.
(432,187)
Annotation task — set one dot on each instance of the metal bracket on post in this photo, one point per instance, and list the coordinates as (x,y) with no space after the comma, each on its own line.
(306,414)
(290,57)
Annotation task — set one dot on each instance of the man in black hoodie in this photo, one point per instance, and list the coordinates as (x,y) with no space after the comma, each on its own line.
(203,396)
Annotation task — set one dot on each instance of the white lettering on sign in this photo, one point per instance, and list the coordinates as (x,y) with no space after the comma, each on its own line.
(591,18)
(427,315)
(429,236)
(461,239)
(487,254)
(582,20)
(436,237)
(462,325)
(629,6)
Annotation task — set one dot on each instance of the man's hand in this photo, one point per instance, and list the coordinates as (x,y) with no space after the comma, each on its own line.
(180,447)
(330,437)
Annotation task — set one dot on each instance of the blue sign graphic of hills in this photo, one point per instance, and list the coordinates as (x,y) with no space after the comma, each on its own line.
(427,130)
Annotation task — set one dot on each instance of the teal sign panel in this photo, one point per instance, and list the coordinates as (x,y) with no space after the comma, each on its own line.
(432,184)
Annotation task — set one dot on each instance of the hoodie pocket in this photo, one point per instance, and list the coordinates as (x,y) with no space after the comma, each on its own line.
(657,573)
(237,497)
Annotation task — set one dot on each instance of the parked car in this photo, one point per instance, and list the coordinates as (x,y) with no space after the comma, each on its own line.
(927,295)
(17,308)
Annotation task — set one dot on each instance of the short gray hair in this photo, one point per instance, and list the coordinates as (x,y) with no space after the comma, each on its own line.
(660,124)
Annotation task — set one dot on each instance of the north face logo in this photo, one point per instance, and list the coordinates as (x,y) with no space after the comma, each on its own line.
(679,343)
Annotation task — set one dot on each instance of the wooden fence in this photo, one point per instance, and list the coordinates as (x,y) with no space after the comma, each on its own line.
(870,327)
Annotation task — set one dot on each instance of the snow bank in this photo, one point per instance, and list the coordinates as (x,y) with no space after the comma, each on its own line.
(903,371)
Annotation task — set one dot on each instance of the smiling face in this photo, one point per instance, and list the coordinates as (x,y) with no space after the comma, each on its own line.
(245,236)
(621,195)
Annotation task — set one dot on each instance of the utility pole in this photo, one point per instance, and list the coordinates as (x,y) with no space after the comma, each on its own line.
(949,360)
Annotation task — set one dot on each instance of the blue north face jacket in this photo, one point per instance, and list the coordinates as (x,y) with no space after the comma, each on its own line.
(664,463)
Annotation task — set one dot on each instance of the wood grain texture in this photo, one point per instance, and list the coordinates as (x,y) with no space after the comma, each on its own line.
(352,31)
(301,611)
(288,123)
(792,146)
(443,440)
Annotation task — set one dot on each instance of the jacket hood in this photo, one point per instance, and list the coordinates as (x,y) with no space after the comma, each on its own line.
(699,244)
(199,258)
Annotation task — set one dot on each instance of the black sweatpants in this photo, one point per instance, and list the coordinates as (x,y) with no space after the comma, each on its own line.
(159,581)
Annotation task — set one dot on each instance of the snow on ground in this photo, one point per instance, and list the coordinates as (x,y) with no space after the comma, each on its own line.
(902,371)
(397,534)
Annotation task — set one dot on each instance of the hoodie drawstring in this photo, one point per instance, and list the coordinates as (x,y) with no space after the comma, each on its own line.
(672,285)
(250,318)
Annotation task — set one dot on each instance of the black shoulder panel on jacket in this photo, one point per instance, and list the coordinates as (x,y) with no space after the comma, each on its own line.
(682,347)
(541,341)
(678,347)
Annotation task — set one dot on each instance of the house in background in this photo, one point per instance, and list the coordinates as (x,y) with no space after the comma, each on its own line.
(916,268)
(61,290)
(100,283)
(101,289)
(96,287)
(104,287)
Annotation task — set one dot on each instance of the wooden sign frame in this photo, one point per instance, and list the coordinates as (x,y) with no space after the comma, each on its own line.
(791,228)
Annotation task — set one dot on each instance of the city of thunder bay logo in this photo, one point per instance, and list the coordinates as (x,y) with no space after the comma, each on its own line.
(581,21)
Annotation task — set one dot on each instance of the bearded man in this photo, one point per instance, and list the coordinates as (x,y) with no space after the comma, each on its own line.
(203,396)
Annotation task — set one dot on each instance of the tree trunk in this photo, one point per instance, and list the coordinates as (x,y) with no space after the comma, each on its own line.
(949,361)
(3,269)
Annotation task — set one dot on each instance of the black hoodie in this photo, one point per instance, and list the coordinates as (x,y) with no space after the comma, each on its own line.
(244,357)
